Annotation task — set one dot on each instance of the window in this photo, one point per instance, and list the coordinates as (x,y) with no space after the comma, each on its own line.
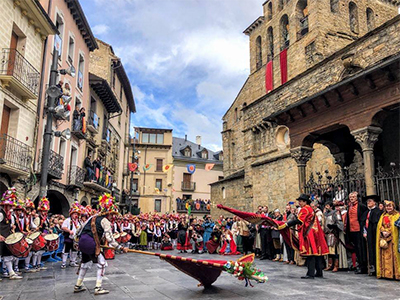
(270,38)
(71,50)
(334,6)
(62,147)
(270,10)
(159,165)
(157,205)
(58,38)
(236,115)
(135,185)
(284,25)
(159,184)
(223,193)
(187,152)
(258,52)
(302,18)
(353,15)
(221,156)
(204,154)
(153,138)
(81,68)
(370,19)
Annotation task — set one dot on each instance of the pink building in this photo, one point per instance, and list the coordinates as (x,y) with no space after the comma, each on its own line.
(75,41)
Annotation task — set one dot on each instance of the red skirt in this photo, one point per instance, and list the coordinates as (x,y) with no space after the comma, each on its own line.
(186,246)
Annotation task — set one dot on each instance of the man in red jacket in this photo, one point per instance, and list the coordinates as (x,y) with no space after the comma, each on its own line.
(312,242)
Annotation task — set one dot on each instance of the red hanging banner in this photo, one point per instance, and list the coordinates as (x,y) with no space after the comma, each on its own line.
(283,61)
(269,81)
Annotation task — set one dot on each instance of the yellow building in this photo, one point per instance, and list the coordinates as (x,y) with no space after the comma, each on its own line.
(25,27)
(151,186)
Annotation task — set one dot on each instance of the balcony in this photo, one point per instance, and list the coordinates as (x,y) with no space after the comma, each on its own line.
(102,183)
(196,207)
(56,165)
(188,186)
(93,122)
(15,156)
(76,176)
(78,132)
(17,73)
(92,142)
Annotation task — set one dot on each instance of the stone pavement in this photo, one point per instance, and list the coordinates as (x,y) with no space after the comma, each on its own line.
(135,276)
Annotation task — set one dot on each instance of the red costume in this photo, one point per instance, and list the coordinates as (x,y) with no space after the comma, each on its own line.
(232,246)
(311,236)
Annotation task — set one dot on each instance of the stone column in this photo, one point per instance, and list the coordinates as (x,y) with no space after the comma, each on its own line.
(366,138)
(301,155)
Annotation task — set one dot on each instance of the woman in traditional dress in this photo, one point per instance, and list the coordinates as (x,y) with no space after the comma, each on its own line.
(228,245)
(388,256)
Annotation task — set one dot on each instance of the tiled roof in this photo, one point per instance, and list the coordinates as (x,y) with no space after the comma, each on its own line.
(180,144)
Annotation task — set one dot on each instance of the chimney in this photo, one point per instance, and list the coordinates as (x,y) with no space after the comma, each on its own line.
(185,137)
(198,140)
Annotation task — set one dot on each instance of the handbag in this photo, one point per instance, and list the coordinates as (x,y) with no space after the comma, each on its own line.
(383,244)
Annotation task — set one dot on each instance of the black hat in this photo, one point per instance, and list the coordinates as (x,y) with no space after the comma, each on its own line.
(376,198)
(304,197)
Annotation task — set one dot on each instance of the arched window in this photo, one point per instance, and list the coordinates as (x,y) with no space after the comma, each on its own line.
(353,15)
(302,18)
(258,52)
(334,6)
(270,10)
(270,39)
(284,27)
(370,19)
(188,152)
(223,193)
(236,115)
(280,5)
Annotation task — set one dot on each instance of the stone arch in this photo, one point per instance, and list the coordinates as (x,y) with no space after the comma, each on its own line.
(301,18)
(284,31)
(84,201)
(270,41)
(59,204)
(353,17)
(370,19)
(269,11)
(258,52)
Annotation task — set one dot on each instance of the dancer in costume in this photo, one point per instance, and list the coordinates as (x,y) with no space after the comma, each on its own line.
(43,225)
(7,201)
(312,242)
(18,224)
(29,226)
(70,226)
(92,234)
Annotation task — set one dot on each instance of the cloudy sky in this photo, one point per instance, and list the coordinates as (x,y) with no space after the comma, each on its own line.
(186,59)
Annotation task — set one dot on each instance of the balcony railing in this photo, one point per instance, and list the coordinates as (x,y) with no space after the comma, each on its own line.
(200,207)
(14,153)
(76,176)
(101,181)
(77,131)
(56,164)
(18,72)
(93,123)
(188,186)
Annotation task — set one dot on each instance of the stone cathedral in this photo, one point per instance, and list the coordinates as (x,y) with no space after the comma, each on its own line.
(320,108)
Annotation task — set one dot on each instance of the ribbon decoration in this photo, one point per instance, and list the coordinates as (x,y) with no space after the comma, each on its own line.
(191,168)
(132,166)
(209,167)
(146,167)
(166,168)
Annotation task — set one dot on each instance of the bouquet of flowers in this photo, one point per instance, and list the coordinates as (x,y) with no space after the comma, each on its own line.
(244,269)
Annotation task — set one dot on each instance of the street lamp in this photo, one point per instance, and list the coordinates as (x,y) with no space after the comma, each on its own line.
(63,110)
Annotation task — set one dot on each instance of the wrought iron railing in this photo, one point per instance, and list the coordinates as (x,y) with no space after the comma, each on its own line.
(325,187)
(56,164)
(196,206)
(76,176)
(14,64)
(188,186)
(388,184)
(15,153)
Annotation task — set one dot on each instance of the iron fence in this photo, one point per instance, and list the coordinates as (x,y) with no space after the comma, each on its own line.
(56,164)
(388,184)
(14,64)
(76,176)
(15,153)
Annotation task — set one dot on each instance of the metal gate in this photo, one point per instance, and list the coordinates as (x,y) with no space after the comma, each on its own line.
(388,184)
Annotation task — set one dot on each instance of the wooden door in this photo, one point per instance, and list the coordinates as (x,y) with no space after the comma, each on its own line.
(5,120)
(186,180)
(12,56)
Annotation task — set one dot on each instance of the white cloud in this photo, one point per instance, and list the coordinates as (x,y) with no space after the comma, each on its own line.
(100,29)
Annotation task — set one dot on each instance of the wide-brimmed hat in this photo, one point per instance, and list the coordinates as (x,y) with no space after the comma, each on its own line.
(29,203)
(304,197)
(376,198)
(44,204)
(20,204)
(10,197)
(107,205)
(75,208)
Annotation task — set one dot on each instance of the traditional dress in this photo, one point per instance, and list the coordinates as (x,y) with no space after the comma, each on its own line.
(183,238)
(370,228)
(70,224)
(388,256)
(96,229)
(228,245)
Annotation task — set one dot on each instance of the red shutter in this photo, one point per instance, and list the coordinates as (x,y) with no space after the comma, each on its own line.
(269,81)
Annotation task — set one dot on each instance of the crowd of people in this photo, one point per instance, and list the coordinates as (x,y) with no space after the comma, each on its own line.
(349,234)
(97,172)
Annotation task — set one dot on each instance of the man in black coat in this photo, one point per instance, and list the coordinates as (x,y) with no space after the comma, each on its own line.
(371,217)
(354,231)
